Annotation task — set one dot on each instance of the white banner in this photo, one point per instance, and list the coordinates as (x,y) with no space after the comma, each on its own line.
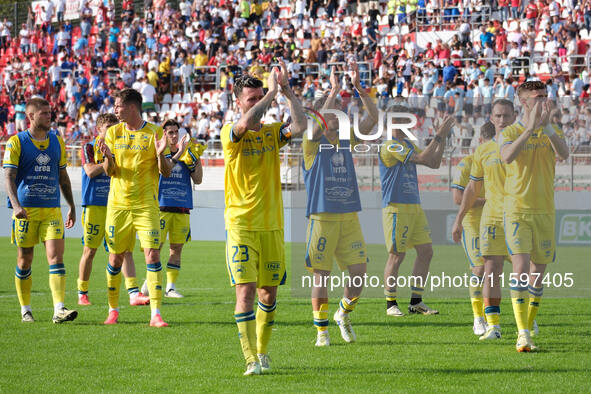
(72,9)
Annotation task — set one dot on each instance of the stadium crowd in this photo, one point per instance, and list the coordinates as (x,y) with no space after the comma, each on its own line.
(183,59)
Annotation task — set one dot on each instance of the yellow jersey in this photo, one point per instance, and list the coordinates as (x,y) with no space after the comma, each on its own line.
(460,182)
(135,183)
(529,185)
(252,177)
(487,167)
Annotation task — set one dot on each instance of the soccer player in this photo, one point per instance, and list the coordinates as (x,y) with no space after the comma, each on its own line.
(95,192)
(175,195)
(404,221)
(135,153)
(334,231)
(488,172)
(529,149)
(35,167)
(470,234)
(254,208)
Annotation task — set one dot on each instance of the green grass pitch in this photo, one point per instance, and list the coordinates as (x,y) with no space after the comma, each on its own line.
(200,350)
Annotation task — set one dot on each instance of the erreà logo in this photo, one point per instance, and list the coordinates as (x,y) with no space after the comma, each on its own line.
(43,159)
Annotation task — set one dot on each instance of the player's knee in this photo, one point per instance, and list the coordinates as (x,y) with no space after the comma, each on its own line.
(425,252)
(396,258)
(152,255)
(478,271)
(25,258)
(89,253)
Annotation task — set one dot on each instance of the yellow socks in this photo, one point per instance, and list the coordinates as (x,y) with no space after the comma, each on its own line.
(57,283)
(321,318)
(154,278)
(113,285)
(476,296)
(265,318)
(172,273)
(519,296)
(131,285)
(535,296)
(247,333)
(348,305)
(493,315)
(82,287)
(23,282)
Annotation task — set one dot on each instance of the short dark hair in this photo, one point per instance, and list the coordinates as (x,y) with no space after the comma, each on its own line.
(128,96)
(505,102)
(106,119)
(36,103)
(171,122)
(530,86)
(246,81)
(487,130)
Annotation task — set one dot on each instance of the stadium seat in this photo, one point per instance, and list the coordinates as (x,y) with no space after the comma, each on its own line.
(584,34)
(206,95)
(197,97)
(176,98)
(544,68)
(165,108)
(186,98)
(174,108)
(157,106)
(513,26)
(539,47)
(167,99)
(215,95)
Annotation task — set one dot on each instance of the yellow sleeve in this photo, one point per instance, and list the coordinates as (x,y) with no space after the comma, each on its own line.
(227,137)
(462,177)
(110,138)
(508,136)
(394,151)
(310,148)
(477,171)
(63,155)
(12,153)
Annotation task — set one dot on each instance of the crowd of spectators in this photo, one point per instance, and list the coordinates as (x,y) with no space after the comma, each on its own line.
(452,56)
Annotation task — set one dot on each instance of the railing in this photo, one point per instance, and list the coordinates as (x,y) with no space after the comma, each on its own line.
(446,18)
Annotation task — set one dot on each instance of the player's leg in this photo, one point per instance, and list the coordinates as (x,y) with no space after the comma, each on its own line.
(270,274)
(519,239)
(395,237)
(154,278)
(491,289)
(25,235)
(246,322)
(93,227)
(128,268)
(84,270)
(120,236)
(419,273)
(24,282)
(320,246)
(320,306)
(179,232)
(543,253)
(391,269)
(350,254)
(147,223)
(173,268)
(470,243)
(54,249)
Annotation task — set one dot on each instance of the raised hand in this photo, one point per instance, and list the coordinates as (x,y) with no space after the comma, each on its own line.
(161,144)
(355,77)
(282,75)
(272,80)
(103,148)
(183,143)
(335,83)
(444,127)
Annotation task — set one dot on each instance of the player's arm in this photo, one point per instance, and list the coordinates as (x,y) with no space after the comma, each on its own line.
(109,165)
(11,190)
(197,173)
(558,142)
(433,153)
(368,122)
(532,121)
(468,199)
(458,196)
(251,120)
(66,188)
(299,123)
(91,168)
